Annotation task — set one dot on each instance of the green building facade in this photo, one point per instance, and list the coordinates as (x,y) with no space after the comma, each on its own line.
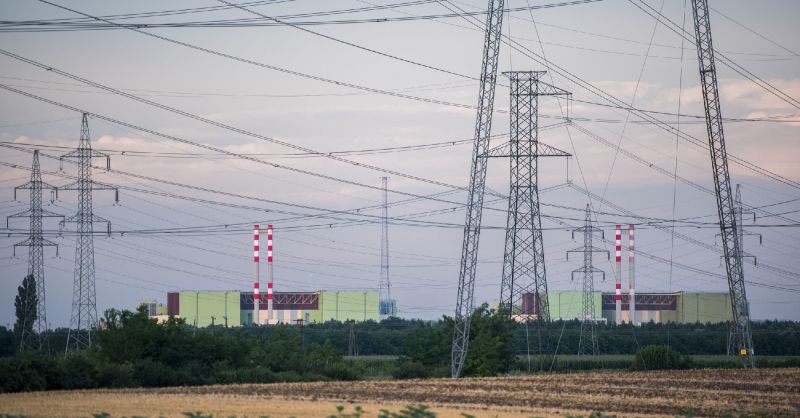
(235,308)
(677,307)
(200,308)
(704,307)
(569,305)
(346,306)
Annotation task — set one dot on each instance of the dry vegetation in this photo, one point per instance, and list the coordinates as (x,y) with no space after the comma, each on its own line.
(762,392)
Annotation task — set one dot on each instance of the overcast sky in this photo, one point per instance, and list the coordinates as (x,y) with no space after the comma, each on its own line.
(611,45)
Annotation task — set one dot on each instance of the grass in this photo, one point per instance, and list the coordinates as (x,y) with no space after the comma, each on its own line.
(572,362)
(383,367)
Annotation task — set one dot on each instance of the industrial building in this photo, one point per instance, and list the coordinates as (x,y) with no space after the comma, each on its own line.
(678,307)
(235,308)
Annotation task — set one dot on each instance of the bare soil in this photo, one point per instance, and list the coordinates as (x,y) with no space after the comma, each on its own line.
(710,392)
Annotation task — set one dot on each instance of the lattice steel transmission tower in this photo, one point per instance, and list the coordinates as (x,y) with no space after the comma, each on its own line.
(741,233)
(84,305)
(587,344)
(352,343)
(524,275)
(722,183)
(388,307)
(465,302)
(35,243)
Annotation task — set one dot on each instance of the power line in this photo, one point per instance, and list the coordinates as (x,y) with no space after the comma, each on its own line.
(733,65)
(643,115)
(88,24)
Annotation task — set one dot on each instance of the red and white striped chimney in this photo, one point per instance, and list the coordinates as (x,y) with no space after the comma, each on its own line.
(631,278)
(256,296)
(269,273)
(618,277)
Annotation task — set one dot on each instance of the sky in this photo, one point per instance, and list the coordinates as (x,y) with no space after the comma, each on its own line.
(278,86)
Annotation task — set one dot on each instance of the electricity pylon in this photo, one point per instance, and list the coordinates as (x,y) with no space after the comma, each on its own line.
(387,304)
(35,243)
(352,344)
(524,270)
(84,304)
(722,184)
(740,232)
(587,344)
(465,302)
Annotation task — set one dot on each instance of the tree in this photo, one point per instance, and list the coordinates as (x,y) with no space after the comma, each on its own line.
(25,306)
(491,349)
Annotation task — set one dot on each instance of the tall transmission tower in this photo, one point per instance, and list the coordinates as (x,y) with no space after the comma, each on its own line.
(722,183)
(740,232)
(84,305)
(524,272)
(35,243)
(587,343)
(388,307)
(352,343)
(465,302)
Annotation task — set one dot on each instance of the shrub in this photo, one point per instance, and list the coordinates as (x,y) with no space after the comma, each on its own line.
(340,371)
(78,372)
(28,372)
(408,369)
(660,357)
(112,375)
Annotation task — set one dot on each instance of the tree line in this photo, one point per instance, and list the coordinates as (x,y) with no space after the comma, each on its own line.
(132,349)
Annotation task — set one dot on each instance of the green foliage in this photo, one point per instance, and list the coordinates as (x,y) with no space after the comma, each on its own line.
(27,372)
(198,414)
(133,350)
(491,351)
(429,344)
(357,411)
(340,371)
(7,347)
(25,308)
(660,357)
(283,350)
(79,371)
(324,355)
(410,411)
(409,369)
(491,346)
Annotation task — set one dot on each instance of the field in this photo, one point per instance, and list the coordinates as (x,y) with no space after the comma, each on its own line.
(734,392)
(381,367)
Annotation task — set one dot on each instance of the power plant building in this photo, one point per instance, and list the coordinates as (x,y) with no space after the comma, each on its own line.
(235,308)
(676,307)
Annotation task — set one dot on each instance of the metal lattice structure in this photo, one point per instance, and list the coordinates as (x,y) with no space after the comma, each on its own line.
(465,302)
(84,305)
(740,232)
(722,183)
(587,344)
(352,343)
(387,305)
(35,243)
(523,260)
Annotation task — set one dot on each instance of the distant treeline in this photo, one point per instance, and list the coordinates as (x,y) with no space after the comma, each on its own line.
(771,338)
(133,350)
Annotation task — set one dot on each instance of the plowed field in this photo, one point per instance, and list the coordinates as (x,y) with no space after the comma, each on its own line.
(763,392)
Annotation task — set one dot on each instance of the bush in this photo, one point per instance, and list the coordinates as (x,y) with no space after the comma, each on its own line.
(407,369)
(28,372)
(113,375)
(340,371)
(660,357)
(78,371)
